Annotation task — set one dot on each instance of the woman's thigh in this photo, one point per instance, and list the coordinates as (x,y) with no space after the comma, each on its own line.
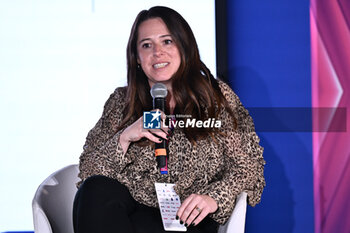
(102,204)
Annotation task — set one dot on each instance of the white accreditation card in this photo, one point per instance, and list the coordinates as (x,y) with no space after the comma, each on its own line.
(169,203)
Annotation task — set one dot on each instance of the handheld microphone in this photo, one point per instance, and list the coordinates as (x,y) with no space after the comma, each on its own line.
(159,93)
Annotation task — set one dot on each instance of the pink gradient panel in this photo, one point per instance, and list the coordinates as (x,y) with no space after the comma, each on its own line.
(330,45)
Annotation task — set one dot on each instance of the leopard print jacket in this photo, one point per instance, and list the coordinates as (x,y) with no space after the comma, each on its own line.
(220,168)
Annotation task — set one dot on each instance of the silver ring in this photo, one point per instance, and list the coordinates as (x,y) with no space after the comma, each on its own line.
(198,209)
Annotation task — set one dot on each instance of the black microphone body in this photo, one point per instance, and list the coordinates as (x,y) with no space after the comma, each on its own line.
(159,103)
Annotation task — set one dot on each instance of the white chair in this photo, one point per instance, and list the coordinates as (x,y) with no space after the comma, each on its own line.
(53,205)
(53,202)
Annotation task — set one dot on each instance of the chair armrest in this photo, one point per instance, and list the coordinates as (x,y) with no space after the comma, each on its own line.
(41,223)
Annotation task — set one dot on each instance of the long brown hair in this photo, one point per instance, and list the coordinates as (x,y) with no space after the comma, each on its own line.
(195,90)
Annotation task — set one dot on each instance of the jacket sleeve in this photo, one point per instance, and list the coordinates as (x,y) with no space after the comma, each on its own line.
(103,153)
(244,163)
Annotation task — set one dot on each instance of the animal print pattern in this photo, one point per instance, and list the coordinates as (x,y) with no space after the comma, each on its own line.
(221,168)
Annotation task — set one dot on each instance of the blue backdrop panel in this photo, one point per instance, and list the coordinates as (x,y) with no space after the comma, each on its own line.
(269,66)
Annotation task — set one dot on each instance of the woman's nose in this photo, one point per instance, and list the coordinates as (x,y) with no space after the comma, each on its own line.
(157,50)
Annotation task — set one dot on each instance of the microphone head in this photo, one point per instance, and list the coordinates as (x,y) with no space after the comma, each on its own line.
(159,90)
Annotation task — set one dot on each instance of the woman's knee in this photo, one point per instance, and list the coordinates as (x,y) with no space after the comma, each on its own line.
(96,186)
(102,187)
(96,181)
(103,192)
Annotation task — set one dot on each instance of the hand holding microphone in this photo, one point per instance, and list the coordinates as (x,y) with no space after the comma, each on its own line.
(135,131)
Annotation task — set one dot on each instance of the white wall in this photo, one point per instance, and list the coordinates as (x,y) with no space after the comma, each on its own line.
(59,62)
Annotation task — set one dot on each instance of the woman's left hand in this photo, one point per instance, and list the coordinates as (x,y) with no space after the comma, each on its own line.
(195,208)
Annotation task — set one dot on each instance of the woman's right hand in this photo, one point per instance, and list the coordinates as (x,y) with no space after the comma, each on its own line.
(135,132)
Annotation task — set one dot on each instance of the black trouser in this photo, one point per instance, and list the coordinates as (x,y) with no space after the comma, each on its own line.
(103,205)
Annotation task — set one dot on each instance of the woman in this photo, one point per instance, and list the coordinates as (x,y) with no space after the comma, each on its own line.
(209,166)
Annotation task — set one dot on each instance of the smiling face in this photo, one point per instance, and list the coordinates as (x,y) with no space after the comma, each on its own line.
(158,54)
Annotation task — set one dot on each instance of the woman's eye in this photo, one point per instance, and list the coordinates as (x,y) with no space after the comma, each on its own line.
(146,45)
(168,41)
